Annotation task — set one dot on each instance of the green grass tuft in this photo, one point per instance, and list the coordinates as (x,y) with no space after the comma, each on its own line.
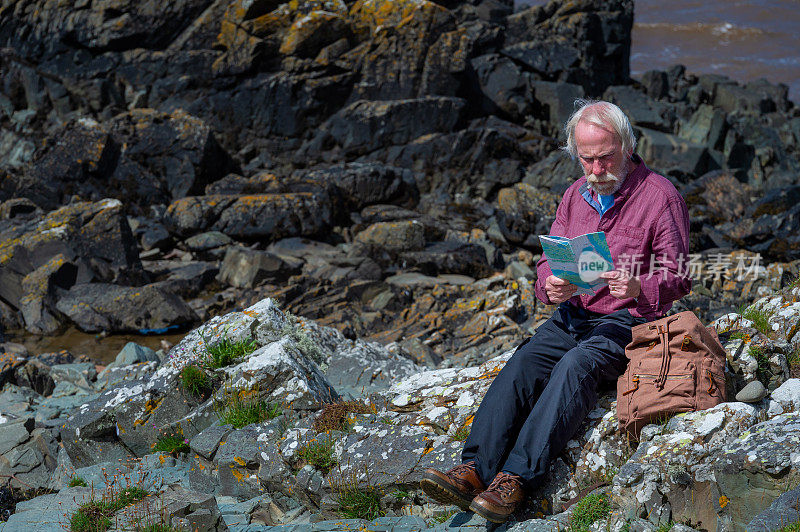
(318,453)
(225,353)
(763,371)
(195,381)
(588,510)
(172,444)
(359,503)
(95,516)
(441,518)
(666,527)
(77,481)
(240,408)
(760,319)
(794,527)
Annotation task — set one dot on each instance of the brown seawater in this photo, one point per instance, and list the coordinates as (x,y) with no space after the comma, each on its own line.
(743,40)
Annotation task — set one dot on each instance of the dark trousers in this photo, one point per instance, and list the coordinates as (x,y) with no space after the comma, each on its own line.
(539,399)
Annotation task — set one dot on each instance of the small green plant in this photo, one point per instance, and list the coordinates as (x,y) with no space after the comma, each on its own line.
(241,407)
(318,453)
(95,516)
(793,359)
(794,527)
(301,339)
(666,527)
(763,371)
(195,381)
(399,495)
(442,518)
(739,335)
(172,444)
(462,433)
(358,503)
(77,481)
(759,317)
(225,352)
(588,510)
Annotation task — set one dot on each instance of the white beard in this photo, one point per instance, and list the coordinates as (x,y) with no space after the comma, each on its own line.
(611,182)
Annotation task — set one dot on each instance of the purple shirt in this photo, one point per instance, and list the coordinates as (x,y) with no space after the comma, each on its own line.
(647,230)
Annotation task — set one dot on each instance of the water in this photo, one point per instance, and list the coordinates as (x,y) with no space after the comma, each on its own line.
(745,40)
(98,348)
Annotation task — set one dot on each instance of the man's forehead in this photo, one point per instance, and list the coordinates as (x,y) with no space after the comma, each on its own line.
(591,134)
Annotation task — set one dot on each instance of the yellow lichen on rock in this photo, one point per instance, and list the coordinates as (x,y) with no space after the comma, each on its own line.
(310,33)
(369,16)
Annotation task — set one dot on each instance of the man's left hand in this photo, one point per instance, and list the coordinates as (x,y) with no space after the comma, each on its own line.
(622,284)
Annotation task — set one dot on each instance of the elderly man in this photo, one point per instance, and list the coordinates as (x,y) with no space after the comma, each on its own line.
(539,399)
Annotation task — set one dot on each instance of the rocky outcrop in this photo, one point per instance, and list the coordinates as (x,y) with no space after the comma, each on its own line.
(384,168)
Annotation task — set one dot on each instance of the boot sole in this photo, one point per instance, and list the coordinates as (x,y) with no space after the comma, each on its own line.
(441,492)
(488,515)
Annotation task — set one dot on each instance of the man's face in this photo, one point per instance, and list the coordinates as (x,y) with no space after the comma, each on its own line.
(601,156)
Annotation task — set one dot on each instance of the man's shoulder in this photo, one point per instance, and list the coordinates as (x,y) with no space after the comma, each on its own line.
(657,187)
(575,187)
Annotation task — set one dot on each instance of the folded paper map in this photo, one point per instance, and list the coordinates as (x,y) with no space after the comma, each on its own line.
(579,260)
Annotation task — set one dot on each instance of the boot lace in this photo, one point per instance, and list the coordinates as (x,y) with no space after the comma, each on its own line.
(462,470)
(505,484)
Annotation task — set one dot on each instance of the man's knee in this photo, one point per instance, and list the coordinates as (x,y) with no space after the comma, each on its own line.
(577,364)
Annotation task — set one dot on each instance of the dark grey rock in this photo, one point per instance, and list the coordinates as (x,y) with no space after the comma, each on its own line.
(79,373)
(206,443)
(669,154)
(102,307)
(209,240)
(93,236)
(134,353)
(641,109)
(365,126)
(503,84)
(449,257)
(706,126)
(781,513)
(556,100)
(656,83)
(267,216)
(35,375)
(246,268)
(752,393)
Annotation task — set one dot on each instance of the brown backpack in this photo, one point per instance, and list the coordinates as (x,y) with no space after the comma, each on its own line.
(676,365)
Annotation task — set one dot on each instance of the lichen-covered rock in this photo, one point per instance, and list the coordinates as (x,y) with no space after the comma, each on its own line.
(715,468)
(95,237)
(37,306)
(525,210)
(401,34)
(394,236)
(266,216)
(283,368)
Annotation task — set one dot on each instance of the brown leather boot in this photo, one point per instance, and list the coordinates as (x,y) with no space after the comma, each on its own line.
(500,499)
(458,486)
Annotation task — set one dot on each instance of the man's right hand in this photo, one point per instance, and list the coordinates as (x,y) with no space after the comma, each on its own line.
(559,290)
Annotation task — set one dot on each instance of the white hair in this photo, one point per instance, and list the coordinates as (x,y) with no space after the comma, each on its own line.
(602,114)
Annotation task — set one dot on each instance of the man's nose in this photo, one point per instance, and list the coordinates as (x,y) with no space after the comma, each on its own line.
(597,168)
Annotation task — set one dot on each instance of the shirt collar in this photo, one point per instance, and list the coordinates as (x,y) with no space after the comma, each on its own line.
(633,178)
